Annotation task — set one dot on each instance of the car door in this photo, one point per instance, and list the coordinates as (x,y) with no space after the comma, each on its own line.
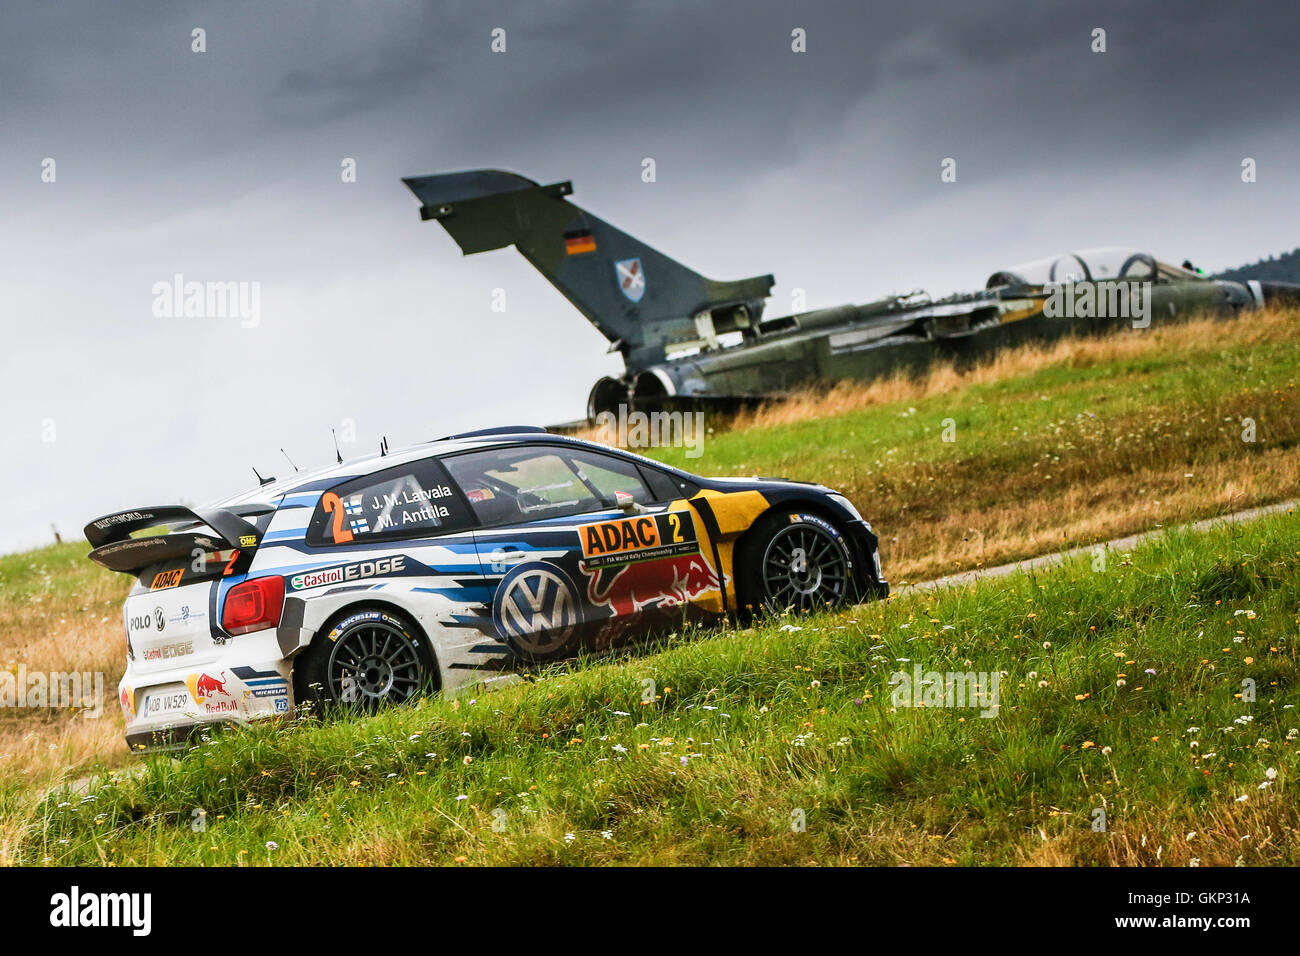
(575,547)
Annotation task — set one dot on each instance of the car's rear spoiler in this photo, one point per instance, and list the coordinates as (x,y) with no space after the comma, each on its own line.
(116,550)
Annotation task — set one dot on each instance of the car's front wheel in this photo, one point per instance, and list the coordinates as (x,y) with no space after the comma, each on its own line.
(794,561)
(366,658)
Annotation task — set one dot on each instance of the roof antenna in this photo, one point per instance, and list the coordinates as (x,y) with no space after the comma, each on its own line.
(288,459)
(261,480)
(383,445)
(337,454)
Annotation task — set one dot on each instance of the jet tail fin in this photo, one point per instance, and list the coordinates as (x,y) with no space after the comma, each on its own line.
(640,299)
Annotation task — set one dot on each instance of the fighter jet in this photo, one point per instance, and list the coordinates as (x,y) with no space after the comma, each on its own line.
(686,339)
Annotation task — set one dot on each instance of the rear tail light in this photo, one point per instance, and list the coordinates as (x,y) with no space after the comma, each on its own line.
(253,605)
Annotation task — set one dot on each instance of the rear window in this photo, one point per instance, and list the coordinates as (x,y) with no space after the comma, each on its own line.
(412,500)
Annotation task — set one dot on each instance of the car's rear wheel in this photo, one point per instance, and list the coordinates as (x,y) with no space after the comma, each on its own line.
(364,660)
(794,561)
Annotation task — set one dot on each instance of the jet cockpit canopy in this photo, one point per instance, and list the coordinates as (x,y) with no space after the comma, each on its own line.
(1106,262)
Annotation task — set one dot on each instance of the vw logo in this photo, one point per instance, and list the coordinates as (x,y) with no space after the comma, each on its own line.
(159,618)
(536,610)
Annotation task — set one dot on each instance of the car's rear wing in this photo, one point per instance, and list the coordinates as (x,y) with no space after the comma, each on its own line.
(188,529)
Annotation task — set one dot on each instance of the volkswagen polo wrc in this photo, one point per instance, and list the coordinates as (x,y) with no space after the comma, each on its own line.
(449,563)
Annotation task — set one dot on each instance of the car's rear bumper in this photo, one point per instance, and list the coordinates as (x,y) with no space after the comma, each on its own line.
(237,688)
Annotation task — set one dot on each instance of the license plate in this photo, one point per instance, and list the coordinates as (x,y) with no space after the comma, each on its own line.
(169,702)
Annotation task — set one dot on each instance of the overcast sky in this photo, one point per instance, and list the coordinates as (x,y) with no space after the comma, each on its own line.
(821,167)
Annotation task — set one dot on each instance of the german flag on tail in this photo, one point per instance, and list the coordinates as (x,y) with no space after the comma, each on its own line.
(579,241)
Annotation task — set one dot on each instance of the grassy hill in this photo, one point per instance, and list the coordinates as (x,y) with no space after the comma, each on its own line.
(1054,446)
(1121,692)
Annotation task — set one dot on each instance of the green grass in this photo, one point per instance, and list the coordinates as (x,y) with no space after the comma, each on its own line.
(56,573)
(743,730)
(993,415)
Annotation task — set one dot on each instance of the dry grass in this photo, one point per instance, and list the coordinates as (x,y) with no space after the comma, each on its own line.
(942,520)
(60,613)
(1222,834)
(1197,338)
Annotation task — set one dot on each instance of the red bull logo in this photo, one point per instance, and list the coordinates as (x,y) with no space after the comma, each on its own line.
(668,583)
(203,686)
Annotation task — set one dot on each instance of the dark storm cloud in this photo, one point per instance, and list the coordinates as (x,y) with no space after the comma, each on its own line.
(718,75)
(341,88)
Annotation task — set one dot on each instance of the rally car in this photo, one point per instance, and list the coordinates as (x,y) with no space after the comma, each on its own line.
(449,563)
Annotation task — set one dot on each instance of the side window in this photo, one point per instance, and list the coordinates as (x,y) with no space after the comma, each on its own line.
(612,475)
(411,500)
(665,487)
(531,482)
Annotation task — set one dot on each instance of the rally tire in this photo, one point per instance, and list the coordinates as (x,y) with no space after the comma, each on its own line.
(364,659)
(792,560)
